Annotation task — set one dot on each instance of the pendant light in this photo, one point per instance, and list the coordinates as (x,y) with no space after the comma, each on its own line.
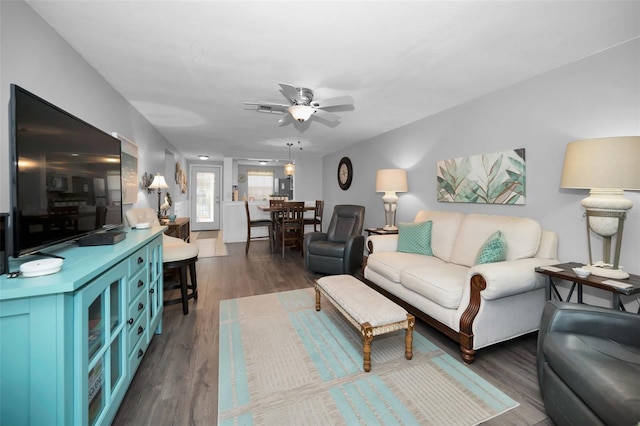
(289,168)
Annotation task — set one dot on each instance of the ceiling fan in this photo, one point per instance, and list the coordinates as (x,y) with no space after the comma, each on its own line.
(301,105)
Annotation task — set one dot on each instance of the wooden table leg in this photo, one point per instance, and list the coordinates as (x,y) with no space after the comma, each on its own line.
(408,337)
(367,338)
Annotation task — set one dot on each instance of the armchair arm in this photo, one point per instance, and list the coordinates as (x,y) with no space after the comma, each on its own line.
(353,253)
(511,277)
(380,243)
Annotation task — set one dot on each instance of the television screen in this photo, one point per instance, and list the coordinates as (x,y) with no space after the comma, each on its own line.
(65,173)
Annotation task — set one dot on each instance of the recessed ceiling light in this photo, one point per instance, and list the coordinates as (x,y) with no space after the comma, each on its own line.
(262,163)
(203,157)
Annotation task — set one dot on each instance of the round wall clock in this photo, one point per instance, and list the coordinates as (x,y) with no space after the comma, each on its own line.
(242,178)
(345,173)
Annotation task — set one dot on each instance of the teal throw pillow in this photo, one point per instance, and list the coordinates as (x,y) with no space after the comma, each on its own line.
(493,250)
(415,238)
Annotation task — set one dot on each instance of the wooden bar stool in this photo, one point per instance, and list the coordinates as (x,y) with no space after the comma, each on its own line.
(181,256)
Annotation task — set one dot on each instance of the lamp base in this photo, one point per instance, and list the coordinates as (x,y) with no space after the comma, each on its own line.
(616,274)
(390,228)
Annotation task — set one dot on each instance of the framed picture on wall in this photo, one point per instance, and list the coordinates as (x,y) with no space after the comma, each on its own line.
(129,165)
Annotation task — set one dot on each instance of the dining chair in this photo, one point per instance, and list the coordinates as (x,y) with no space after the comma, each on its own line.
(276,214)
(316,220)
(290,227)
(255,224)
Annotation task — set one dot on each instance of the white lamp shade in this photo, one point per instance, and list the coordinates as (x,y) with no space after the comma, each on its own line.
(289,169)
(391,180)
(301,112)
(158,182)
(602,163)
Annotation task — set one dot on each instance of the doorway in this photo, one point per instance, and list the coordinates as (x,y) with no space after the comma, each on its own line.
(205,198)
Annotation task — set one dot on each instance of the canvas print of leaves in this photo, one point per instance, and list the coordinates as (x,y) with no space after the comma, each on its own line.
(497,178)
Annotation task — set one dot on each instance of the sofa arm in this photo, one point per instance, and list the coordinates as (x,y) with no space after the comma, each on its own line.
(380,243)
(511,277)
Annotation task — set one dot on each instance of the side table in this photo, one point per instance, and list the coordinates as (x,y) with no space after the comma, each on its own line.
(179,228)
(564,271)
(380,231)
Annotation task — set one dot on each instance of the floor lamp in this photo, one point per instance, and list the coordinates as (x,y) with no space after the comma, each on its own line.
(606,166)
(158,183)
(391,181)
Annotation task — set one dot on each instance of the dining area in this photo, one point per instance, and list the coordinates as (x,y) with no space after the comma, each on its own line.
(285,223)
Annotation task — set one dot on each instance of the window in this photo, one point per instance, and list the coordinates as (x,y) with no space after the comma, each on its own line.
(260,184)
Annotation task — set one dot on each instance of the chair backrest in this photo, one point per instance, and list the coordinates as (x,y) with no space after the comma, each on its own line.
(246,209)
(142,215)
(319,209)
(293,212)
(279,202)
(347,220)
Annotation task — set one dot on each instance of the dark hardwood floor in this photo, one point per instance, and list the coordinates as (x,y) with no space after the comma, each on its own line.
(177,382)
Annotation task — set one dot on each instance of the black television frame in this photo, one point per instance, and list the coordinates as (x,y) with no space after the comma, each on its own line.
(16,248)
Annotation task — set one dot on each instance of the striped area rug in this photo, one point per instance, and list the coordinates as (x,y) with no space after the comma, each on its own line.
(281,362)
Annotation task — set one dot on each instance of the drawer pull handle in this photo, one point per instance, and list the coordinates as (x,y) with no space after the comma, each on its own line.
(140,306)
(153,290)
(140,260)
(140,283)
(130,321)
(140,329)
(140,353)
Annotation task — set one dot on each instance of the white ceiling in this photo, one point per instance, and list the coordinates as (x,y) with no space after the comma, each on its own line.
(189,66)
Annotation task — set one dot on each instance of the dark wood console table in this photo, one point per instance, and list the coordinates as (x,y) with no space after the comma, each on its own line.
(179,228)
(565,272)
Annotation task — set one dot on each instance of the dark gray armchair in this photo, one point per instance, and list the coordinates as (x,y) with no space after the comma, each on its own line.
(340,249)
(589,365)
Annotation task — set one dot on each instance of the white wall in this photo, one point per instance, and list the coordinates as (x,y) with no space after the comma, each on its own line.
(35,57)
(595,97)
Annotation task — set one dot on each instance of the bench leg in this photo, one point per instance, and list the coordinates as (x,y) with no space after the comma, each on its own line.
(317,298)
(408,337)
(367,338)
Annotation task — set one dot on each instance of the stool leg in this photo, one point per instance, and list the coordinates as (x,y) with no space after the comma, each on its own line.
(367,338)
(183,290)
(408,337)
(194,281)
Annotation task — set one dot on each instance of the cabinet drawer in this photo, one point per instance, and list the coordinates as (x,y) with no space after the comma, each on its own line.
(138,260)
(137,308)
(137,283)
(135,357)
(138,330)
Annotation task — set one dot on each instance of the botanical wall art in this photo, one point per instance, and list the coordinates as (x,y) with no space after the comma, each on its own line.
(497,178)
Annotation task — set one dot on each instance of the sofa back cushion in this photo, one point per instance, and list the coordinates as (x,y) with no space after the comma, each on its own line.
(522,236)
(443,231)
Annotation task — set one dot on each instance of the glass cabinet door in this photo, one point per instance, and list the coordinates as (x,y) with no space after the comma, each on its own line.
(100,348)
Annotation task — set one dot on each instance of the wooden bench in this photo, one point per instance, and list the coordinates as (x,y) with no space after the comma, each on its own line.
(367,310)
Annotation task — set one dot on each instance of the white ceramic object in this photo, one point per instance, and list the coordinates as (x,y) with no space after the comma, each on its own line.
(581,272)
(37,268)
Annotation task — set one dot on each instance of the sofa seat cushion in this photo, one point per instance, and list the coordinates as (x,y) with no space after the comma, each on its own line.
(326,248)
(521,234)
(607,380)
(440,282)
(390,264)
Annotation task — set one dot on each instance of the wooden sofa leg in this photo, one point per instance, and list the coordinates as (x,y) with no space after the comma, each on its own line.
(467,354)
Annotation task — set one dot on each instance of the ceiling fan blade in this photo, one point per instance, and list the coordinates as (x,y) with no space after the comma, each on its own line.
(266,107)
(289,92)
(287,119)
(327,116)
(331,102)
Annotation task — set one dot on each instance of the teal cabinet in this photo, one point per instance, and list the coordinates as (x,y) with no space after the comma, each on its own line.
(70,343)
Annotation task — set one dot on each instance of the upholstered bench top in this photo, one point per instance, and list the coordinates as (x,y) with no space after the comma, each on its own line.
(178,251)
(361,302)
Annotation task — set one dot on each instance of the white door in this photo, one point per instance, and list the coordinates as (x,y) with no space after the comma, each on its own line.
(206,188)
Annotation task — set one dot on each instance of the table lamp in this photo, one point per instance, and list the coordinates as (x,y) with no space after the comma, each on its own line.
(391,181)
(158,183)
(606,166)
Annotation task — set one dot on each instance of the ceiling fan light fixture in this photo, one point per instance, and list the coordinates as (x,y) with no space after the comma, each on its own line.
(301,113)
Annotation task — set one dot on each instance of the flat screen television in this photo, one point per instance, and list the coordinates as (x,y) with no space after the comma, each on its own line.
(65,175)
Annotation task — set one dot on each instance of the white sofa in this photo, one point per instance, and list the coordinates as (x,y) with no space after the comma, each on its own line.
(476,305)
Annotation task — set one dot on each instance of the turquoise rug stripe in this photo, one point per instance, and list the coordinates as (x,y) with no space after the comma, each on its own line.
(233,373)
(283,363)
(480,387)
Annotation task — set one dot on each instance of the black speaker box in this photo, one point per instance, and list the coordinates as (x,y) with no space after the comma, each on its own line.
(102,238)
